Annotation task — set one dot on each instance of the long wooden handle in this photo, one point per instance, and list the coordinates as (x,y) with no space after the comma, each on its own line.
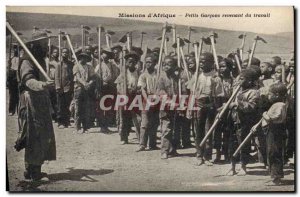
(162,47)
(59,45)
(189,113)
(200,49)
(174,34)
(107,40)
(189,37)
(242,47)
(241,53)
(178,64)
(178,52)
(73,52)
(160,54)
(125,70)
(27,51)
(99,48)
(10,43)
(142,38)
(129,41)
(247,138)
(283,74)
(219,116)
(243,42)
(252,53)
(184,64)
(238,62)
(49,48)
(214,51)
(166,48)
(82,37)
(197,67)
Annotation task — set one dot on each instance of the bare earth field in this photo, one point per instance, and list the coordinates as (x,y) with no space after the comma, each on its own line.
(96,162)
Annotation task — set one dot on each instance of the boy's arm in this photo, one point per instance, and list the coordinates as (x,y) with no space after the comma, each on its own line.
(29,79)
(57,76)
(250,104)
(106,74)
(275,113)
(77,76)
(161,87)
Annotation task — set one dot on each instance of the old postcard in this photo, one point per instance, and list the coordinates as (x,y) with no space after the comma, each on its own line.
(150,99)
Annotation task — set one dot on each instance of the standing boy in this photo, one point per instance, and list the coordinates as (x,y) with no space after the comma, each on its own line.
(83,78)
(64,85)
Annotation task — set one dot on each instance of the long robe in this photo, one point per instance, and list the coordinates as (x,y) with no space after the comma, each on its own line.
(35,117)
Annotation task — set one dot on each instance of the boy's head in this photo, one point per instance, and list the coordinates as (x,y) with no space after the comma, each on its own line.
(225,66)
(139,66)
(83,58)
(257,71)
(156,51)
(254,61)
(276,60)
(138,51)
(248,78)
(278,73)
(106,54)
(65,53)
(235,68)
(277,92)
(220,58)
(191,63)
(206,62)
(88,49)
(54,53)
(131,60)
(169,64)
(266,68)
(191,54)
(150,61)
(117,49)
(95,52)
(291,66)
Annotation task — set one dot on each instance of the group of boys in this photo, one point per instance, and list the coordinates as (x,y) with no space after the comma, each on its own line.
(265,99)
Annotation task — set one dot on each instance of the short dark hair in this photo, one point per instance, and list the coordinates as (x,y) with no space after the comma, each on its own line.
(53,48)
(152,56)
(88,47)
(171,58)
(65,48)
(228,62)
(268,64)
(257,71)
(277,59)
(191,54)
(254,61)
(207,56)
(249,74)
(279,89)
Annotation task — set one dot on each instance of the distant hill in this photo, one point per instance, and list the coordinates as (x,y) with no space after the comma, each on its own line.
(281,43)
(286,34)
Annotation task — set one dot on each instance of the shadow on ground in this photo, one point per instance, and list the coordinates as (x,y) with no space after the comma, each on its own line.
(83,175)
(283,183)
(266,173)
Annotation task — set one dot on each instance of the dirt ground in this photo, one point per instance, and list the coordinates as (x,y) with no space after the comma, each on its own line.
(97,162)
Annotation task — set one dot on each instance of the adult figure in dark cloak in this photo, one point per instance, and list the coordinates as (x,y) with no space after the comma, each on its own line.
(35,122)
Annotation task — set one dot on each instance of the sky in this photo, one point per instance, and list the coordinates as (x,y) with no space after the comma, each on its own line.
(281,18)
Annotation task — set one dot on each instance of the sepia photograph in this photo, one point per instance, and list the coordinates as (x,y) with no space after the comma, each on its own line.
(150,99)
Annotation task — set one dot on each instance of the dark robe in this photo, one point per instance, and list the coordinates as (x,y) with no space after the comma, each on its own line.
(35,122)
